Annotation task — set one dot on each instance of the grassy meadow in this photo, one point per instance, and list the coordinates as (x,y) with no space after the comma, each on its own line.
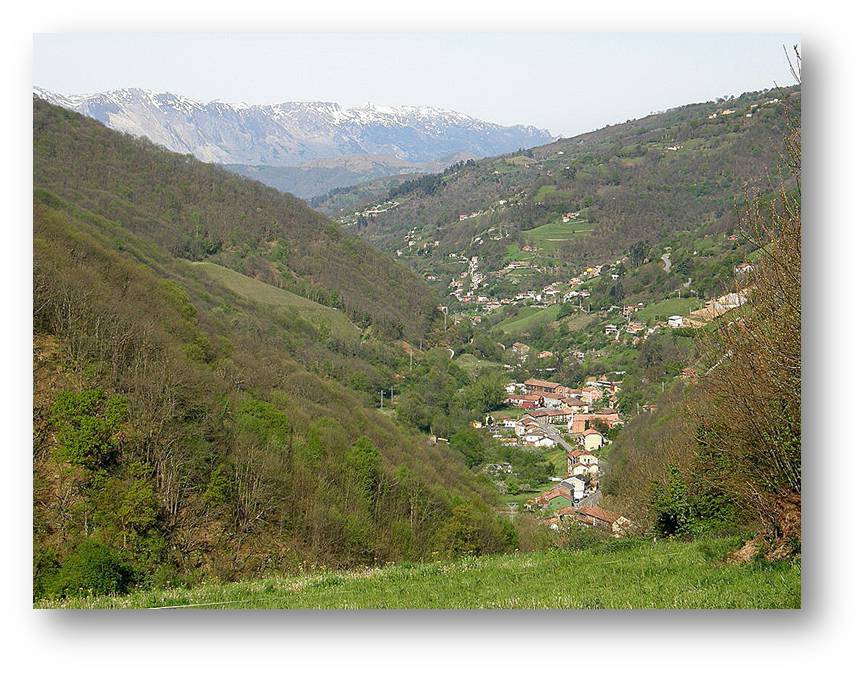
(618,574)
(527,318)
(548,237)
(264,293)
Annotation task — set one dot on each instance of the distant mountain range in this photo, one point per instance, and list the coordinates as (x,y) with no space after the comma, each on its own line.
(296,134)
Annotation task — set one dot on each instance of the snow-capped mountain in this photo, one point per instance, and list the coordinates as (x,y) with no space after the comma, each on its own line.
(289,134)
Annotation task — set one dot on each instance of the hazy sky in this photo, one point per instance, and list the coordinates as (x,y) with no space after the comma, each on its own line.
(566,83)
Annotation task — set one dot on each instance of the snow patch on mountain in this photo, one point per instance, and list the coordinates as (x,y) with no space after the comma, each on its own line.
(291,133)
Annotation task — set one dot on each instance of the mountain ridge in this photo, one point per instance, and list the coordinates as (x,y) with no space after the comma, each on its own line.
(294,132)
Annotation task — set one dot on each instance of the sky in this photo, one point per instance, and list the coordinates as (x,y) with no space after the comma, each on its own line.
(567,83)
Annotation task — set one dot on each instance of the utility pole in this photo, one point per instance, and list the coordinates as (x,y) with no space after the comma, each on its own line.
(392,394)
(381,399)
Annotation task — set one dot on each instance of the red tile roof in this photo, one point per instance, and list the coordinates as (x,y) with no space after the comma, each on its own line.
(597,513)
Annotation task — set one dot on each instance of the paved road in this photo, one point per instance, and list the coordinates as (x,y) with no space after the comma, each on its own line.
(553,433)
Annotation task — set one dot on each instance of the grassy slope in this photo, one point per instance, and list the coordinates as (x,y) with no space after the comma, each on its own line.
(200,211)
(252,289)
(620,574)
(527,318)
(549,237)
(473,365)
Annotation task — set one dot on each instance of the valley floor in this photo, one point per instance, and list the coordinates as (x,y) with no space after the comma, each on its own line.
(620,574)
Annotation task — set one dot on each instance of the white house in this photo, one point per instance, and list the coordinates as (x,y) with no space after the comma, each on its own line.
(582,462)
(591,439)
(579,485)
(675,321)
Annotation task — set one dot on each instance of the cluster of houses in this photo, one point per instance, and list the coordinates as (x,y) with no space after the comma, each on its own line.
(568,501)
(549,403)
(751,110)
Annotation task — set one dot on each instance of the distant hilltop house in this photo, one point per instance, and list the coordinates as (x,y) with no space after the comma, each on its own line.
(675,321)
(743,268)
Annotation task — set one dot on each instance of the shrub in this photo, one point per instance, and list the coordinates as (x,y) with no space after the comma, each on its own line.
(92,567)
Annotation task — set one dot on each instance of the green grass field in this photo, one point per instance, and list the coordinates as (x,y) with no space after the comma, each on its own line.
(473,365)
(508,413)
(527,318)
(556,456)
(618,574)
(545,191)
(674,306)
(547,238)
(263,293)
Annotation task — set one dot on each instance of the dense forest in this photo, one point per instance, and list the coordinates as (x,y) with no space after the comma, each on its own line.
(184,430)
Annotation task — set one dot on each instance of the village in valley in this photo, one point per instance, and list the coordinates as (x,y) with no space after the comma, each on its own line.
(574,421)
(615,328)
(575,425)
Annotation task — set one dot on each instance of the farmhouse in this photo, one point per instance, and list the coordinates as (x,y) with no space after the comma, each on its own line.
(578,484)
(605,417)
(593,516)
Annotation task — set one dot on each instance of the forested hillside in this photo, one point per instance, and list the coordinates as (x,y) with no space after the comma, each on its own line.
(197,211)
(188,424)
(626,183)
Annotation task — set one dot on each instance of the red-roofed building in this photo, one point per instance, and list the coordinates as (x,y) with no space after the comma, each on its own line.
(593,516)
(541,386)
